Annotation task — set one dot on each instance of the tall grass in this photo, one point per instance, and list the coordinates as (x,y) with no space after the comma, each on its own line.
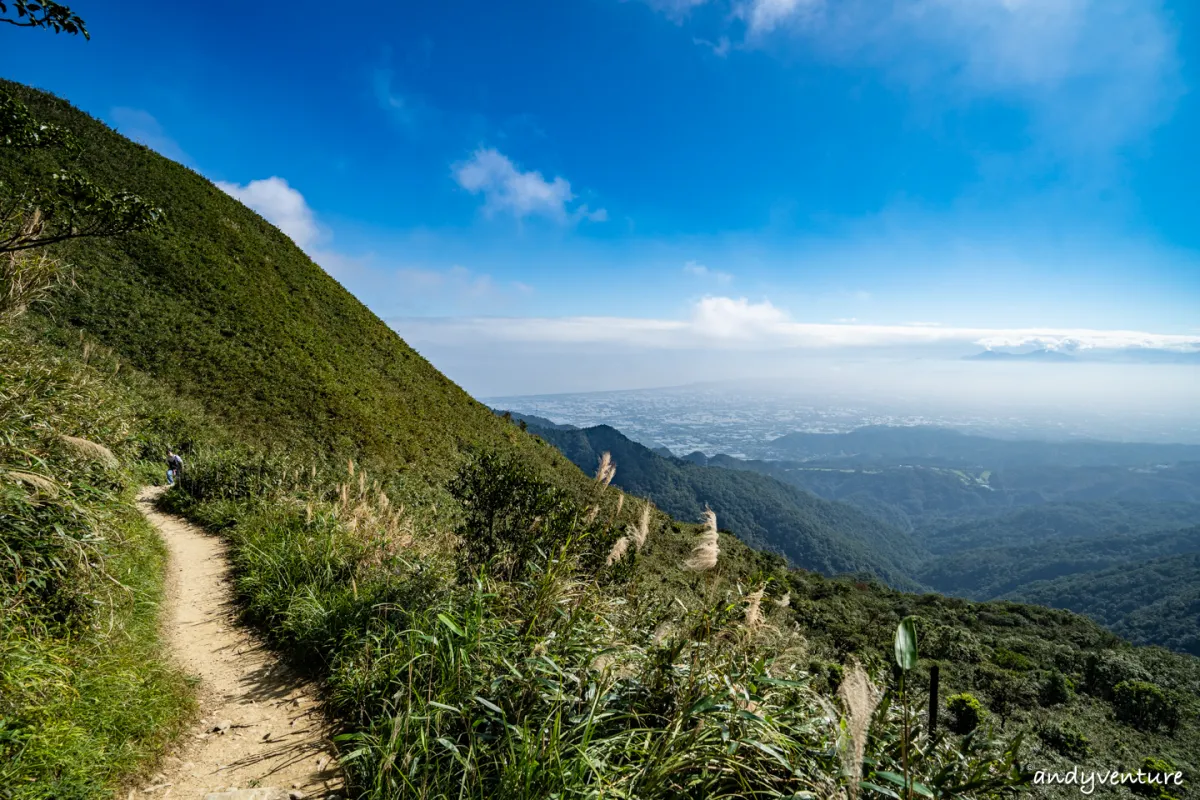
(497,648)
(86,698)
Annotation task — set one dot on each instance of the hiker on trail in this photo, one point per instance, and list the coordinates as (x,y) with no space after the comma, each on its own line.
(174,467)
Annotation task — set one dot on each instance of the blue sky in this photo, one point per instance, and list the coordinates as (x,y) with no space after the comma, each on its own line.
(688,173)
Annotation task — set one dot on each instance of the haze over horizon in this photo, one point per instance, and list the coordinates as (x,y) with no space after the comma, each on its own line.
(739,189)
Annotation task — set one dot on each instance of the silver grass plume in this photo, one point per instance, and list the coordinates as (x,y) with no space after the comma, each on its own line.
(859,697)
(707,550)
(618,551)
(93,451)
(638,533)
(754,615)
(607,469)
(785,601)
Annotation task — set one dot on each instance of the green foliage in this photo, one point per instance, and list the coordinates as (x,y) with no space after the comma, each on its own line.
(1065,740)
(966,713)
(906,644)
(509,515)
(1007,659)
(1144,705)
(46,14)
(1153,602)
(1057,690)
(1159,780)
(44,204)
(86,699)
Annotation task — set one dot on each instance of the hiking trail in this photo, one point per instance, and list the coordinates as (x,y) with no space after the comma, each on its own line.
(260,734)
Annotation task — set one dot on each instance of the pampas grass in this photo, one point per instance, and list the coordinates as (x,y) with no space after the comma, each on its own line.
(785,601)
(40,483)
(754,614)
(707,550)
(859,697)
(607,469)
(619,548)
(638,533)
(93,451)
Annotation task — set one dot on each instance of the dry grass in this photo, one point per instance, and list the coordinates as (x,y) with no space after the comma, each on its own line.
(27,278)
(707,550)
(754,613)
(93,451)
(619,548)
(859,697)
(641,531)
(606,471)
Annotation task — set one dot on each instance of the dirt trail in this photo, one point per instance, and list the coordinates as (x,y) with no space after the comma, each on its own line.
(259,725)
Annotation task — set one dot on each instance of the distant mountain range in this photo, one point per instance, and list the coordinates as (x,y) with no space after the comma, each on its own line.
(935,446)
(1036,355)
(813,533)
(1063,524)
(1128,355)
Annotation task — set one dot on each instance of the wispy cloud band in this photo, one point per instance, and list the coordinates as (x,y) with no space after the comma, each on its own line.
(723,323)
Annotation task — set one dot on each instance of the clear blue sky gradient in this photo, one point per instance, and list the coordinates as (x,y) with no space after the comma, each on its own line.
(1017,164)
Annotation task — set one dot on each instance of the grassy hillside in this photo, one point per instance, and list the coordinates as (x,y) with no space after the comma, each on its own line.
(812,533)
(488,622)
(222,307)
(87,699)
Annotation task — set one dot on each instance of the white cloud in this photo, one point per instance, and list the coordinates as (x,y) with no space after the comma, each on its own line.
(522,193)
(1094,73)
(142,127)
(281,205)
(725,322)
(763,16)
(701,271)
(720,47)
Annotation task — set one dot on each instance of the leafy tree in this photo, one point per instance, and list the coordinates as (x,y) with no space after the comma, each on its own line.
(1144,705)
(1065,740)
(966,713)
(42,14)
(508,514)
(1159,781)
(48,204)
(1057,690)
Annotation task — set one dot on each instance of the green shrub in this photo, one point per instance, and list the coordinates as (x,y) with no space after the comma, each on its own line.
(508,515)
(1145,706)
(1160,780)
(1065,740)
(966,713)
(1009,660)
(1057,690)
(1104,670)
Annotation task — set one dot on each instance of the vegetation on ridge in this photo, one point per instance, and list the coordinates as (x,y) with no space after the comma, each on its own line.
(465,599)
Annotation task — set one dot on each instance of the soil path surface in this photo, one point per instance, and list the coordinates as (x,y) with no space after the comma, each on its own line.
(259,726)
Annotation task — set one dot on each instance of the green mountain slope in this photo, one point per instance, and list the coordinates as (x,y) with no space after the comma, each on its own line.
(1154,602)
(813,533)
(224,308)
(987,573)
(943,446)
(915,497)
